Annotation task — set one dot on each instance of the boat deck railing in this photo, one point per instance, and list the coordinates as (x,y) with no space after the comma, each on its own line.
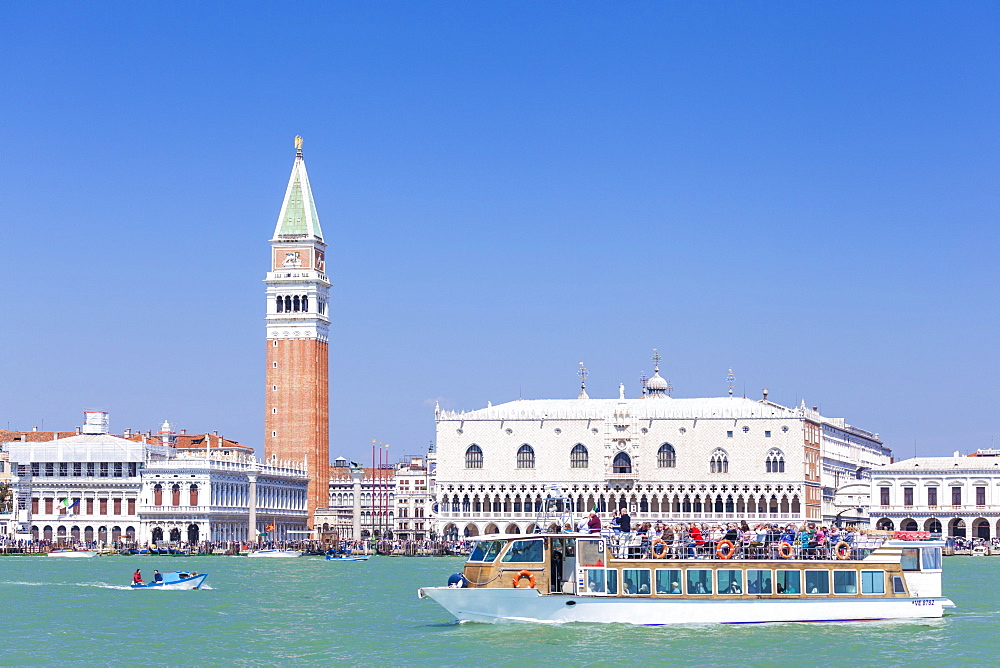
(683,546)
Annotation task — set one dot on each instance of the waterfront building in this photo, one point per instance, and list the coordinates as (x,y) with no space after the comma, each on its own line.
(701,459)
(413,489)
(954,496)
(360,503)
(392,501)
(297,421)
(94,486)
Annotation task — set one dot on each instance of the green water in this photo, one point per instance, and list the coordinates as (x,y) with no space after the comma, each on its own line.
(309,611)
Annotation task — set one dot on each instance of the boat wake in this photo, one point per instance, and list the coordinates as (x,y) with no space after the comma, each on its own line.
(99,585)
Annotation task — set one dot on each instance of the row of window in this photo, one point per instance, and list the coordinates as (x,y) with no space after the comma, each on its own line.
(932,496)
(736,582)
(85,469)
(666,457)
(292,304)
(77,506)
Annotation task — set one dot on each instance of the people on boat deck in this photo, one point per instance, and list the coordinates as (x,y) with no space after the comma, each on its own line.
(624,521)
(157,576)
(137,577)
(616,527)
(763,541)
(594,523)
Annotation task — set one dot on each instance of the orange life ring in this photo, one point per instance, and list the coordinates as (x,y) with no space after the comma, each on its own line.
(520,576)
(663,553)
(725,549)
(842,550)
(785,550)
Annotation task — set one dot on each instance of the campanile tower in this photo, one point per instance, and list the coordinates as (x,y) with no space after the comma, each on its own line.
(297,419)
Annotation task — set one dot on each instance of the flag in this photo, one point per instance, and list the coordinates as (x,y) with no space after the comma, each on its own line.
(67,505)
(269,527)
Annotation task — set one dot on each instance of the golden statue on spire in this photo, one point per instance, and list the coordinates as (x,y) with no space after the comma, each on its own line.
(298,142)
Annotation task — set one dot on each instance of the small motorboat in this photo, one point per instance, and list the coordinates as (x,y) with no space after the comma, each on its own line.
(276,553)
(347,557)
(73,554)
(177,581)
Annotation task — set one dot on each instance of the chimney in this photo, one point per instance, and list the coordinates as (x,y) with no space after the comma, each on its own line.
(128,432)
(184,432)
(765,394)
(34,429)
(215,432)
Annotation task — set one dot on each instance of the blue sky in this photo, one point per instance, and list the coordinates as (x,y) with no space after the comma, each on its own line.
(805,193)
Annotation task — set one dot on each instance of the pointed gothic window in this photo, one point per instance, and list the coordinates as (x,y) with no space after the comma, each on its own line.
(526,457)
(622,463)
(775,462)
(578,457)
(719,462)
(666,458)
(474,457)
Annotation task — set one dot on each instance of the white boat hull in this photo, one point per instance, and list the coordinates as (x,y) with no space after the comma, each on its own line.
(276,554)
(194,582)
(74,554)
(527,605)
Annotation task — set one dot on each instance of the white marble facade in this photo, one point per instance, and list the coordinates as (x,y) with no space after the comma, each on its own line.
(710,459)
(953,496)
(95,487)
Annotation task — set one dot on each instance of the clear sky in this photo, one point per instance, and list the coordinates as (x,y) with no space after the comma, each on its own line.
(804,192)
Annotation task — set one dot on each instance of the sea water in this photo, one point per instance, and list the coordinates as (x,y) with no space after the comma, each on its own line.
(312,611)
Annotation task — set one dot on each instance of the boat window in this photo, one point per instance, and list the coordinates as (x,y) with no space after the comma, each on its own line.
(486,550)
(845,582)
(788,582)
(612,581)
(524,551)
(699,581)
(594,579)
(910,561)
(730,581)
(872,582)
(932,558)
(668,581)
(592,553)
(817,582)
(897,585)
(759,581)
(635,581)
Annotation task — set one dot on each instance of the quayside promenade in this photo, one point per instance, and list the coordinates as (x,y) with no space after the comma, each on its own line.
(394,548)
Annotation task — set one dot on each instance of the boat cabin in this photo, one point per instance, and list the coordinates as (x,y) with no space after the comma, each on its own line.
(891,565)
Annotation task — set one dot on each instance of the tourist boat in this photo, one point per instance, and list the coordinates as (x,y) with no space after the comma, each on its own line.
(554,578)
(346,557)
(979,551)
(73,554)
(175,581)
(275,553)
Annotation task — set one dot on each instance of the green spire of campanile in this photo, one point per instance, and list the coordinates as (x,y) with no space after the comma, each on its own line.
(298,218)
